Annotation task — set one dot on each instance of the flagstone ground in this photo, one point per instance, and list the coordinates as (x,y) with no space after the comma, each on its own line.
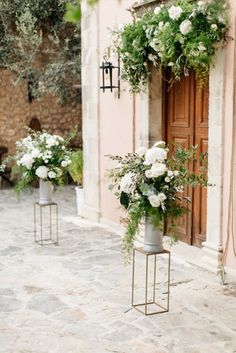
(75,297)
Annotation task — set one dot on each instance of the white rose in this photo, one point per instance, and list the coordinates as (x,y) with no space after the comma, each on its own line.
(126,182)
(186,27)
(155,154)
(161,24)
(148,173)
(175,12)
(27,161)
(51,141)
(157,10)
(154,201)
(176,173)
(52,175)
(170,173)
(167,179)
(141,151)
(35,153)
(42,172)
(158,169)
(64,164)
(162,197)
(214,27)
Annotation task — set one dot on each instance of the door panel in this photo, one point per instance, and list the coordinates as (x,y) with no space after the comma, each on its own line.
(186,114)
(201,139)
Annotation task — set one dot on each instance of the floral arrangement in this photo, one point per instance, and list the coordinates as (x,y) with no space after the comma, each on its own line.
(181,36)
(40,155)
(149,184)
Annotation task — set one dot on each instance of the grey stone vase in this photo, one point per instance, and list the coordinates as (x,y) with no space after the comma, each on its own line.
(45,192)
(153,237)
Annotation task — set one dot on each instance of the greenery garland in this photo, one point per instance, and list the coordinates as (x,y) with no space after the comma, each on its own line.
(183,36)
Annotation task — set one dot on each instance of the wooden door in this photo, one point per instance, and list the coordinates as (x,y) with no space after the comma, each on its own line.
(186,118)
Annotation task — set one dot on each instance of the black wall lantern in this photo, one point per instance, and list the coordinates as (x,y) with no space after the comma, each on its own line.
(110,73)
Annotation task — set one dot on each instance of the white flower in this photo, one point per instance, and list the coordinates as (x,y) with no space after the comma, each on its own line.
(155,154)
(27,161)
(42,172)
(35,153)
(154,201)
(175,12)
(141,151)
(52,175)
(51,141)
(157,10)
(170,63)
(170,173)
(176,173)
(186,27)
(158,169)
(167,179)
(201,47)
(126,182)
(161,25)
(160,143)
(64,164)
(214,27)
(162,197)
(148,173)
(157,200)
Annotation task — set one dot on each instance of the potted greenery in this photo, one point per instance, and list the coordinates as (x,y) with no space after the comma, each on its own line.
(150,187)
(76,172)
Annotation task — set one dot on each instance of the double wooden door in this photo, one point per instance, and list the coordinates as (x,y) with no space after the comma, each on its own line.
(186,123)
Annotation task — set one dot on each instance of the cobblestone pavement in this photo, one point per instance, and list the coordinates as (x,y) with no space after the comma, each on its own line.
(75,297)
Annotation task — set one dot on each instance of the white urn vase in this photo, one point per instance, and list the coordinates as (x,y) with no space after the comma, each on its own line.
(45,192)
(79,200)
(153,237)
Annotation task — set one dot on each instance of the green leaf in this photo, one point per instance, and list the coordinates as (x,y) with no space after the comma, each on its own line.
(124,199)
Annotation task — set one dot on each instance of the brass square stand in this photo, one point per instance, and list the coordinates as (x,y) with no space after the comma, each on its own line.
(52,236)
(144,307)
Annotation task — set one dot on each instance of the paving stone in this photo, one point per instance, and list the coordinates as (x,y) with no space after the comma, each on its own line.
(75,297)
(46,303)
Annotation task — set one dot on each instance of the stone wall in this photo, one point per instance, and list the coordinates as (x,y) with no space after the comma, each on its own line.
(16,112)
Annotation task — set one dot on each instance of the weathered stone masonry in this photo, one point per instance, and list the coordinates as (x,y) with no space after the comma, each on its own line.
(16,112)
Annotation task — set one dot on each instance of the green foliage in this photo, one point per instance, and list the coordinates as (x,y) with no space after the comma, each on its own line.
(184,41)
(37,44)
(73,13)
(76,167)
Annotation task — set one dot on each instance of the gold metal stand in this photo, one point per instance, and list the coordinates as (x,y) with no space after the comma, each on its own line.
(52,236)
(144,307)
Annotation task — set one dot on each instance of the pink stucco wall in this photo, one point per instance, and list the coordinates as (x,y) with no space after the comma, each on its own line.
(115,115)
(228,143)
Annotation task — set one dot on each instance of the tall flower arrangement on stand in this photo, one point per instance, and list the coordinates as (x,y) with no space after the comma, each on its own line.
(40,156)
(149,184)
(183,36)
